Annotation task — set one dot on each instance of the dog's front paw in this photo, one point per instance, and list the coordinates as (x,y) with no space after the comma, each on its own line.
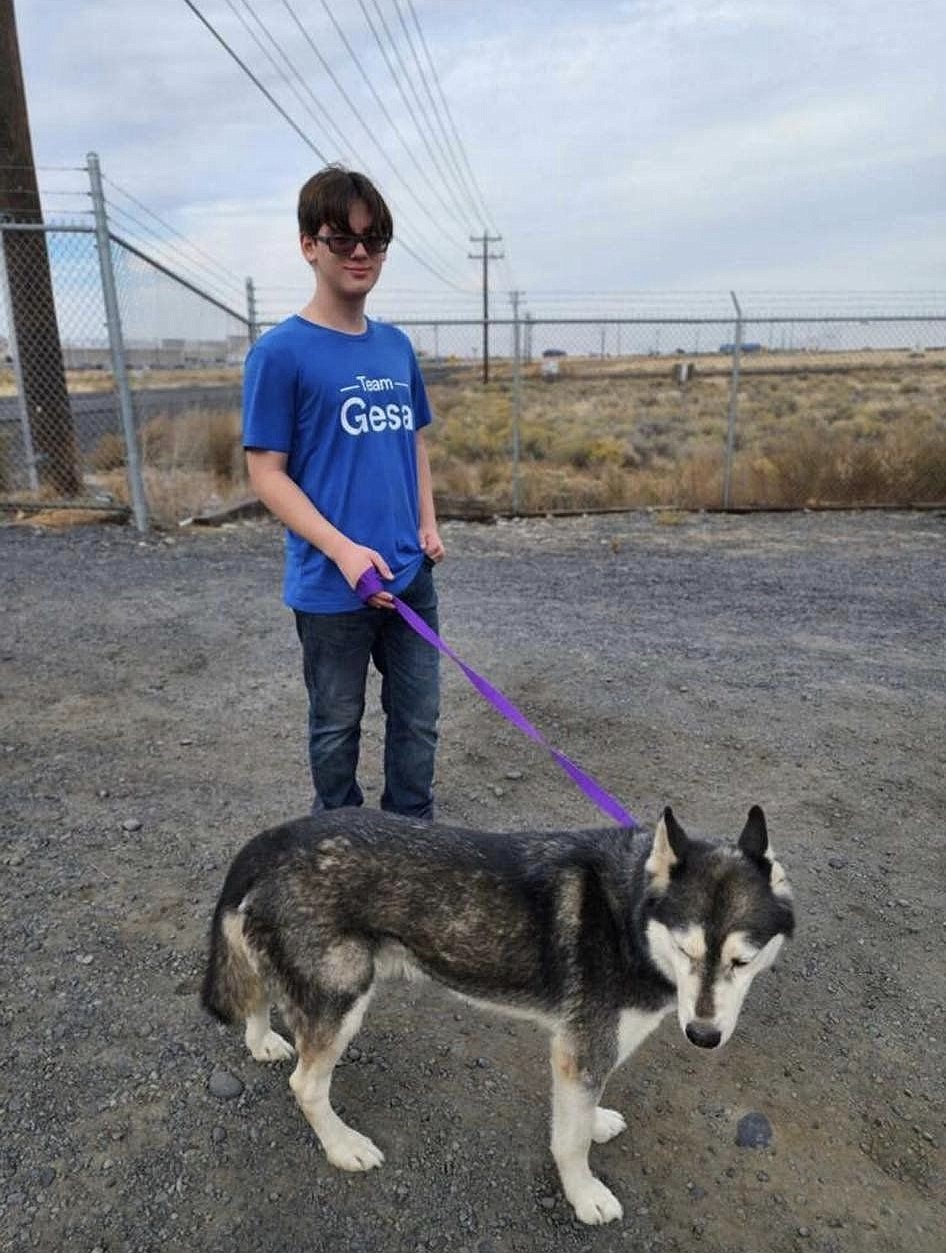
(272,1048)
(350,1150)
(595,1204)
(608,1124)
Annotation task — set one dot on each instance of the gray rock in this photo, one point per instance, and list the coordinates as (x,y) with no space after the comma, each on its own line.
(224,1085)
(754,1131)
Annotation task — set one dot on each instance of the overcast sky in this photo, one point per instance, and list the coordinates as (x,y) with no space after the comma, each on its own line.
(633,146)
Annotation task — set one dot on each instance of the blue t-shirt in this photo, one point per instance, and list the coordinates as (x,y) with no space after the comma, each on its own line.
(345,408)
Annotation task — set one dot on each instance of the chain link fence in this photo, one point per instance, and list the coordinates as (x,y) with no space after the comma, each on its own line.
(50,301)
(120,383)
(119,378)
(693,413)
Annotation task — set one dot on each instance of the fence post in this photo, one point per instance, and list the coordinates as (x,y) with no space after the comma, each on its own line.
(516,400)
(29,452)
(252,322)
(116,345)
(733,399)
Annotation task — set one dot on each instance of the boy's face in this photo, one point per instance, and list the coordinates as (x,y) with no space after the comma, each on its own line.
(346,277)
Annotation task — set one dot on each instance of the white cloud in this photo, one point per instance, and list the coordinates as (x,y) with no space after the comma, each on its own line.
(649,143)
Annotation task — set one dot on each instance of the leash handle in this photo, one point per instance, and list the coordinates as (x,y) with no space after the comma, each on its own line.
(370,583)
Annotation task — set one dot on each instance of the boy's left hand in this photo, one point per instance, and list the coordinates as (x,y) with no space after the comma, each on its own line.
(431,543)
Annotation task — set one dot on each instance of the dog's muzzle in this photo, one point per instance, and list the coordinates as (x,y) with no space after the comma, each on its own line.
(703,1034)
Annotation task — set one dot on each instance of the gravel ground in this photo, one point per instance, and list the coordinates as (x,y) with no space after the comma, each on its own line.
(153,719)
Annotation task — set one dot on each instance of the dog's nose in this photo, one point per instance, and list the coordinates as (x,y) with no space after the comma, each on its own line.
(703,1034)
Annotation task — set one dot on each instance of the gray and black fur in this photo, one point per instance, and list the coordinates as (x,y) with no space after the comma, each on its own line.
(574,929)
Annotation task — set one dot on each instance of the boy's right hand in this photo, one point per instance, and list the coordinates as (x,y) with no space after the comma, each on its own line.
(354,560)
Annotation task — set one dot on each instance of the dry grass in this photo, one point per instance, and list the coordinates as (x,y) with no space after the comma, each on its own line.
(191,462)
(590,438)
(102,381)
(596,438)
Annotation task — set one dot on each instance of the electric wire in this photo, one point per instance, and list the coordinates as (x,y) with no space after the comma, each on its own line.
(453,126)
(386,113)
(302,135)
(408,78)
(218,265)
(344,142)
(249,73)
(325,121)
(166,253)
(326,66)
(446,147)
(72,169)
(170,251)
(403,94)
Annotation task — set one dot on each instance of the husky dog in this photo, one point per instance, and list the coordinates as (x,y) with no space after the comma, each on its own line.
(595,934)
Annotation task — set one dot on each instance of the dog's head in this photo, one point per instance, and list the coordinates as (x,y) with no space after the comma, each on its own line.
(716,917)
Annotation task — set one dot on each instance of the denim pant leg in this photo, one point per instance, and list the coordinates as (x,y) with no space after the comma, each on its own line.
(336,648)
(410,697)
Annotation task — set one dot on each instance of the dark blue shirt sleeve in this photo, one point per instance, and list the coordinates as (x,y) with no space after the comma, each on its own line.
(421,405)
(269,399)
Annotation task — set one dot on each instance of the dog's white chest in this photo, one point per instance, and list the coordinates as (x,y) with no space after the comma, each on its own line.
(634,1027)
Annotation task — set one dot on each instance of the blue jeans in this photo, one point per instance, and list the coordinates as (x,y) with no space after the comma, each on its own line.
(336,649)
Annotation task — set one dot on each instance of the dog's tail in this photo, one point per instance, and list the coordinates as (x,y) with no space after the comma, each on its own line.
(232,987)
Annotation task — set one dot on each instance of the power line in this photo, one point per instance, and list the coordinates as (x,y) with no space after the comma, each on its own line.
(345,142)
(453,126)
(218,265)
(69,169)
(249,73)
(398,84)
(145,235)
(367,79)
(399,81)
(301,133)
(324,121)
(326,66)
(447,148)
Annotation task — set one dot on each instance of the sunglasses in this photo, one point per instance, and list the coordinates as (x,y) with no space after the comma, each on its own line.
(345,245)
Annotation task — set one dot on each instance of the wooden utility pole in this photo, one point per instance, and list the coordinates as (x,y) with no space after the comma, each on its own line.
(485,256)
(33,327)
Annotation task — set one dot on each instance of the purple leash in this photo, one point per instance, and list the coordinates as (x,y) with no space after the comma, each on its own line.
(370,583)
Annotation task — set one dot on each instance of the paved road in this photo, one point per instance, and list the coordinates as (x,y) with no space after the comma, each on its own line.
(96,413)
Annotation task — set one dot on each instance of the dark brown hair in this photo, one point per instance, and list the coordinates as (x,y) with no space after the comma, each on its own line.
(326,200)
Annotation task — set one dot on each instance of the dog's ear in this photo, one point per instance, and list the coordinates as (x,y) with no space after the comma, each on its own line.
(754,841)
(668,850)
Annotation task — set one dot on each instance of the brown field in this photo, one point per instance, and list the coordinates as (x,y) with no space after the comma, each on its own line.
(811,429)
(85,381)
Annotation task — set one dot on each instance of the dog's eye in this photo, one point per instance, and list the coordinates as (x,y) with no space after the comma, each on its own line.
(740,961)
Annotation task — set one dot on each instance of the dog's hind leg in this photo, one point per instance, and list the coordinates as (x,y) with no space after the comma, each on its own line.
(575,1096)
(320,1046)
(246,992)
(265,1044)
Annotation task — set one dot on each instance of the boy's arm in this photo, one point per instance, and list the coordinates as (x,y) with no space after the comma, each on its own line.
(430,539)
(290,504)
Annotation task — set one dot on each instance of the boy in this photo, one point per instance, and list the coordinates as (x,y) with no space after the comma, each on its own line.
(334,411)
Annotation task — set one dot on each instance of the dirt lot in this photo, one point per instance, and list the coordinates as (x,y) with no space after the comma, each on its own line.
(152,719)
